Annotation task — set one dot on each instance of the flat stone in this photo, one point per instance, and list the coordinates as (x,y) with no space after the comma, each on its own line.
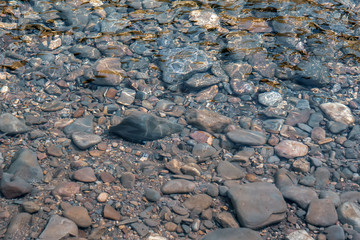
(84,51)
(79,215)
(140,127)
(232,234)
(321,213)
(226,220)
(238,70)
(178,186)
(107,177)
(85,174)
(108,72)
(207,120)
(291,149)
(202,80)
(198,202)
(140,228)
(83,125)
(26,166)
(11,125)
(318,134)
(85,140)
(273,125)
(128,180)
(335,232)
(228,171)
(111,213)
(299,235)
(204,18)
(203,150)
(338,112)
(257,204)
(54,150)
(127,97)
(298,116)
(30,207)
(322,176)
(66,189)
(349,212)
(247,137)
(59,228)
(19,227)
(270,99)
(14,186)
(53,106)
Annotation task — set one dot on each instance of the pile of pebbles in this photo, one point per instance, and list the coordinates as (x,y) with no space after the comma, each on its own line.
(159,120)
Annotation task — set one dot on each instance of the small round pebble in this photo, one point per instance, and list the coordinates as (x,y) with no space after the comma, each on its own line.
(102,197)
(152,195)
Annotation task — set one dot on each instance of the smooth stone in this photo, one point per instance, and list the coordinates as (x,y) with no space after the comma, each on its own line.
(201,80)
(140,228)
(233,234)
(102,197)
(212,190)
(298,116)
(53,106)
(315,119)
(108,72)
(84,51)
(299,235)
(152,195)
(338,112)
(140,127)
(178,186)
(207,120)
(59,228)
(203,150)
(322,175)
(238,70)
(30,207)
(111,213)
(14,186)
(313,73)
(128,180)
(79,215)
(291,149)
(318,134)
(350,196)
(226,220)
(321,213)
(198,202)
(337,127)
(273,125)
(270,99)
(66,189)
(54,150)
(85,140)
(85,174)
(170,226)
(301,165)
(247,137)
(257,204)
(349,212)
(228,171)
(26,166)
(83,125)
(19,227)
(12,125)
(333,196)
(204,18)
(335,232)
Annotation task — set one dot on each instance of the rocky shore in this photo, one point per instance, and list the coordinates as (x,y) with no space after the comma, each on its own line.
(159,120)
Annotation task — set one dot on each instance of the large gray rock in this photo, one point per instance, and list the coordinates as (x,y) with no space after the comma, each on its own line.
(313,73)
(228,171)
(19,227)
(233,234)
(59,228)
(207,120)
(349,212)
(257,204)
(11,125)
(247,137)
(138,127)
(83,125)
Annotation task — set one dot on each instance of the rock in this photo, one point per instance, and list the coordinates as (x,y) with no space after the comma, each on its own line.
(336,127)
(233,234)
(257,204)
(204,18)
(299,235)
(19,227)
(335,232)
(180,63)
(349,213)
(59,228)
(273,125)
(85,51)
(350,196)
(54,150)
(291,149)
(140,127)
(297,116)
(111,213)
(207,120)
(178,186)
(170,226)
(66,189)
(313,73)
(102,197)
(201,80)
(247,137)
(226,220)
(338,112)
(128,180)
(203,151)
(321,213)
(127,97)
(152,195)
(30,207)
(79,215)
(333,196)
(26,166)
(322,176)
(301,165)
(14,186)
(198,202)
(53,106)
(82,125)
(85,174)
(11,125)
(238,70)
(140,228)
(108,72)
(228,171)
(318,134)
(270,99)
(85,140)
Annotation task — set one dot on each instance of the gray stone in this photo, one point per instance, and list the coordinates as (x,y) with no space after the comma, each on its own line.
(19,227)
(270,98)
(140,228)
(178,186)
(127,97)
(257,204)
(84,51)
(336,127)
(198,202)
(322,175)
(203,150)
(228,171)
(59,228)
(128,180)
(335,233)
(79,215)
(321,213)
(53,106)
(11,125)
(233,234)
(247,137)
(205,18)
(152,195)
(138,127)
(114,23)
(83,125)
(313,73)
(108,72)
(226,220)
(201,80)
(349,212)
(333,196)
(85,140)
(207,120)
(14,186)
(273,125)
(238,70)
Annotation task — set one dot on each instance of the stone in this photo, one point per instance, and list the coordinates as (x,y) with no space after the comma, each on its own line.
(349,212)
(204,18)
(85,174)
(152,195)
(232,234)
(178,186)
(79,215)
(102,197)
(335,232)
(170,226)
(138,127)
(30,207)
(19,227)
(350,196)
(53,106)
(338,112)
(333,196)
(11,125)
(321,213)
(128,180)
(291,149)
(26,166)
(301,165)
(107,177)
(270,99)
(322,176)
(59,228)
(273,125)
(14,186)
(111,213)
(247,137)
(207,120)
(299,235)
(257,204)
(54,150)
(85,51)
(226,220)
(203,150)
(66,189)
(238,70)
(228,171)
(108,72)
(336,127)
(313,73)
(140,228)
(85,140)
(318,134)
(297,116)
(198,202)
(202,80)
(127,97)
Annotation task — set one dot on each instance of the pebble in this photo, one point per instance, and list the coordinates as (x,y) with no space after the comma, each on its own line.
(170,226)
(19,227)
(247,137)
(226,220)
(338,112)
(322,213)
(198,202)
(108,72)
(178,186)
(78,215)
(230,233)
(111,213)
(228,171)
(85,174)
(140,228)
(66,189)
(102,197)
(335,232)
(291,149)
(11,125)
(85,140)
(207,120)
(82,125)
(58,228)
(205,19)
(299,235)
(270,99)
(203,151)
(30,207)
(128,180)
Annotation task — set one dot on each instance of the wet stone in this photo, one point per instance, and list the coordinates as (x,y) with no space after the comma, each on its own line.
(127,97)
(14,186)
(273,125)
(205,19)
(238,70)
(349,212)
(295,117)
(338,112)
(313,73)
(203,150)
(198,202)
(291,149)
(53,106)
(322,176)
(299,235)
(19,227)
(85,140)
(140,228)
(30,207)
(170,226)
(247,137)
(66,189)
(321,213)
(128,180)
(84,51)
(337,127)
(335,233)
(318,134)
(111,213)
(79,215)
(270,98)
(152,195)
(54,150)
(201,80)
(86,174)
(207,120)
(233,234)
(333,196)
(178,186)
(108,72)
(228,171)
(58,228)
(11,125)
(107,177)
(83,125)
(226,220)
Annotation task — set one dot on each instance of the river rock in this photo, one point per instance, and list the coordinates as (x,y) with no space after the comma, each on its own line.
(86,174)
(226,220)
(299,235)
(11,125)
(338,112)
(201,80)
(85,140)
(84,51)
(207,120)
(19,227)
(14,186)
(204,18)
(349,212)
(270,98)
(228,171)
(321,213)
(257,204)
(335,232)
(291,149)
(233,234)
(82,125)
(247,137)
(79,215)
(178,186)
(140,127)
(59,228)
(108,72)
(66,189)
(111,213)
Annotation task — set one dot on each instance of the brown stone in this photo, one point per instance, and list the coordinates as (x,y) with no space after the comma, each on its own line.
(86,174)
(54,150)
(291,149)
(66,189)
(79,215)
(79,112)
(111,213)
(107,177)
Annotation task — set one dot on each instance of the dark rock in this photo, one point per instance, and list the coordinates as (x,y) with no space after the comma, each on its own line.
(337,127)
(128,180)
(335,232)
(14,186)
(59,228)
(228,171)
(152,195)
(11,125)
(298,116)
